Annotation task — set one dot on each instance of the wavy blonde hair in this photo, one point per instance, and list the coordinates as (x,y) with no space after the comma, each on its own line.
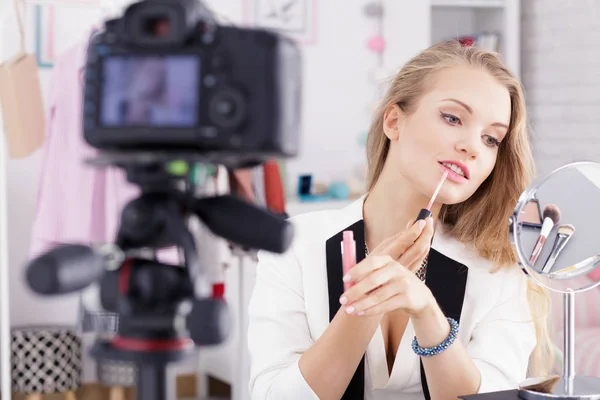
(481,220)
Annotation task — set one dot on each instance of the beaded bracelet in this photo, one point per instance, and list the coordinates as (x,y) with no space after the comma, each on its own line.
(432,351)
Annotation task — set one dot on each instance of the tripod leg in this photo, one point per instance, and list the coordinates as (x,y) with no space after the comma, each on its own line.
(151,382)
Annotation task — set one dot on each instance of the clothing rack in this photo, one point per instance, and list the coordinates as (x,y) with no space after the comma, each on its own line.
(5,335)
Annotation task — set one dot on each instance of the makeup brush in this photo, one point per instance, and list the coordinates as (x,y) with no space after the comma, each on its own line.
(426,212)
(551,216)
(563,234)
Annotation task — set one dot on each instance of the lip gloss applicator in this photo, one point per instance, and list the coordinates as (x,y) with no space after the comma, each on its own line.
(426,212)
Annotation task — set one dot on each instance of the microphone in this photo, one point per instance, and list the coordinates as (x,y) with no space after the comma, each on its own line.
(65,269)
(551,216)
(243,223)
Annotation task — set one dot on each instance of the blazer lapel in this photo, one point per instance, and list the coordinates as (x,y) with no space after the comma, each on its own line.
(356,388)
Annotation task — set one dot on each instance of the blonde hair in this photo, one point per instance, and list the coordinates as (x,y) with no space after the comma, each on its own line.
(481,220)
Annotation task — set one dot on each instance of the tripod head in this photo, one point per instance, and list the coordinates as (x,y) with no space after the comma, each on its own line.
(165,311)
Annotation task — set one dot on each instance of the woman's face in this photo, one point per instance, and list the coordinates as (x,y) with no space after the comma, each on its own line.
(457,126)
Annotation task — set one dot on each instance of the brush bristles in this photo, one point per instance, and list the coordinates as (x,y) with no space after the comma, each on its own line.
(553,212)
(566,229)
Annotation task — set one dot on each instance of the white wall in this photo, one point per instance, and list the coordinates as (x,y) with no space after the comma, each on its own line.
(336,93)
(562,79)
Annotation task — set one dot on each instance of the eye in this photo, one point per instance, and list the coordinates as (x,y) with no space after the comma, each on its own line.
(491,141)
(451,119)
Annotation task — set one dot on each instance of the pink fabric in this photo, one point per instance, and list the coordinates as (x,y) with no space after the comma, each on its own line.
(587,351)
(587,304)
(595,274)
(76,203)
(587,325)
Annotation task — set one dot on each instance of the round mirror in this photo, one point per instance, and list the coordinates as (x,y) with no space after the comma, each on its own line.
(555,228)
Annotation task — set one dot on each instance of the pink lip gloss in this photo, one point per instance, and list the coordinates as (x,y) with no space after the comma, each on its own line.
(348,255)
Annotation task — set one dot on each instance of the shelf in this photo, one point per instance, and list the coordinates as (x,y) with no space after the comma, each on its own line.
(295,207)
(468,3)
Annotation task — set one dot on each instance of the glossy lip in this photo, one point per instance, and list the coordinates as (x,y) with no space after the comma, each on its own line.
(459,164)
(453,176)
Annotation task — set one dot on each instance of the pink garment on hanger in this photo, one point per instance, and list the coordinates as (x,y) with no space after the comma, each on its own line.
(76,203)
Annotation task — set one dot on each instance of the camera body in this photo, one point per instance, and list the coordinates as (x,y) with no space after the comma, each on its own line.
(166,77)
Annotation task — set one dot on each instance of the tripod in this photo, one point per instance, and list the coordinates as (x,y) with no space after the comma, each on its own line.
(164,310)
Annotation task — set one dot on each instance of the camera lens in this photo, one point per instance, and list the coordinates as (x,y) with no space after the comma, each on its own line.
(227,108)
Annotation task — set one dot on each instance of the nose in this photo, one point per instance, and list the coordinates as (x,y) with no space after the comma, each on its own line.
(470,145)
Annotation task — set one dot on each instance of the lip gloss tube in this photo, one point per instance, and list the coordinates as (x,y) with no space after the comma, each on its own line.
(426,212)
(348,255)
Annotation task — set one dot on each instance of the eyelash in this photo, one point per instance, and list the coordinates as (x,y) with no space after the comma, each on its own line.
(447,116)
(495,142)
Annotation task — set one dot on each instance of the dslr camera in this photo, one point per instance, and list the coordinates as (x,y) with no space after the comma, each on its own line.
(166,87)
(166,76)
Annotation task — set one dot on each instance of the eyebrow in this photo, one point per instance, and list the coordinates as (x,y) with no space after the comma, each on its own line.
(470,110)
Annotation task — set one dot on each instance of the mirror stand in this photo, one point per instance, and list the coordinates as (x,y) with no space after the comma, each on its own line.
(570,386)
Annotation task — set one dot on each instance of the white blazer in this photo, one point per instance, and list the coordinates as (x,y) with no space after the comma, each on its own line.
(290,309)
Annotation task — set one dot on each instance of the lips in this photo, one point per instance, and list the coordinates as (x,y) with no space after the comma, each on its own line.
(457,167)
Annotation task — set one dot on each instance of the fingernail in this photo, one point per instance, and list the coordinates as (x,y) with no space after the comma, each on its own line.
(349,310)
(430,221)
(343,300)
(421,224)
(361,313)
(346,278)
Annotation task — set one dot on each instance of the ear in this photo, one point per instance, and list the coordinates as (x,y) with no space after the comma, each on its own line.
(392,120)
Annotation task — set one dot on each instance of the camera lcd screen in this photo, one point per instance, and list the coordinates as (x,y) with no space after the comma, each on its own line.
(152,91)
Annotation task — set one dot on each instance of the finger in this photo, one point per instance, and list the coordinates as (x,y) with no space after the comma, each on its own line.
(382,294)
(402,241)
(372,281)
(420,248)
(396,302)
(366,267)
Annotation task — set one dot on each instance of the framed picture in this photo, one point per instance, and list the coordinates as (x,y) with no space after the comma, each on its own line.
(45,29)
(294,18)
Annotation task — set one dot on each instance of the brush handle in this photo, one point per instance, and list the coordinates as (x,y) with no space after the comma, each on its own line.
(423,214)
(537,249)
(560,242)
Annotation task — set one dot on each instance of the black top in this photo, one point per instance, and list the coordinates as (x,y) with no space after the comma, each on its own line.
(446,278)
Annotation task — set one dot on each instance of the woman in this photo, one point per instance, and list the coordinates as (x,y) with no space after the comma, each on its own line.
(147,92)
(438,309)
